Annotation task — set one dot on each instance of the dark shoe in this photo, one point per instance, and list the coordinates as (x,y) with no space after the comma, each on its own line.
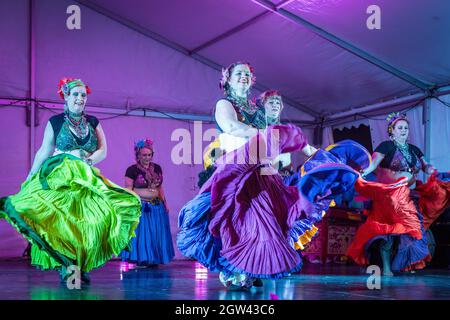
(257,283)
(27,252)
(85,277)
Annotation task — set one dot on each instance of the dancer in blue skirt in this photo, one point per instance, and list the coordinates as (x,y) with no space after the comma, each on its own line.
(153,242)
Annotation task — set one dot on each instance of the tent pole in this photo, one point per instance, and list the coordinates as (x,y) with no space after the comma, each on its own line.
(345,116)
(377,106)
(237,29)
(230,32)
(138,112)
(318,132)
(32,79)
(426,121)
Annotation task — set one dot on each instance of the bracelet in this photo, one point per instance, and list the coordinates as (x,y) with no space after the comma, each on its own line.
(427,167)
(88,161)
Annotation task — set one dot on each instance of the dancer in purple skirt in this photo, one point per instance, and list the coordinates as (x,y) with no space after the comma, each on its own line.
(239,222)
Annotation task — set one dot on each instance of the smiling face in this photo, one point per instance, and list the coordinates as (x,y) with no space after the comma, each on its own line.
(273,106)
(240,79)
(76,100)
(400,131)
(145,156)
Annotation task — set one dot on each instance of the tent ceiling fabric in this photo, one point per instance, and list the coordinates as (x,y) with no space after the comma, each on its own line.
(14,50)
(305,67)
(309,70)
(188,23)
(313,73)
(412,37)
(123,67)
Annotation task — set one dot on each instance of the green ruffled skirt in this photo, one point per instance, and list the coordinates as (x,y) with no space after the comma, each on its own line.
(72,215)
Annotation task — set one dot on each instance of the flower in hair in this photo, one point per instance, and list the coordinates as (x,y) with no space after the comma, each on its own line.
(66,84)
(225,77)
(392,118)
(144,143)
(226,73)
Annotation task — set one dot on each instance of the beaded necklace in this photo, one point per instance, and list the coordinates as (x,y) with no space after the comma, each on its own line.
(404,150)
(78,126)
(248,112)
(243,104)
(154,179)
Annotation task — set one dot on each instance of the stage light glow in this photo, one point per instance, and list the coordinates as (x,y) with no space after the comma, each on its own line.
(125,266)
(201,276)
(201,273)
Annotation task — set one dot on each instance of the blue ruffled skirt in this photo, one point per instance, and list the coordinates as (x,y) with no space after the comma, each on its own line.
(153,241)
(406,250)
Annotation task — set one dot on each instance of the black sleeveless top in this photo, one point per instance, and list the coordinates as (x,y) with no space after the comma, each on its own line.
(140,179)
(396,161)
(66,140)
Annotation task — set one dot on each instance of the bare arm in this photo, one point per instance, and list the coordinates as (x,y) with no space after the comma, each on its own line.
(45,151)
(129,183)
(99,154)
(144,193)
(376,160)
(227,119)
(426,167)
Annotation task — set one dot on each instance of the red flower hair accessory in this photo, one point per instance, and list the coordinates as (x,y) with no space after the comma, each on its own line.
(67,84)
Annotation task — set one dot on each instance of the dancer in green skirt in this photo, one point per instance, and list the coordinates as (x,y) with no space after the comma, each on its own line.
(71,214)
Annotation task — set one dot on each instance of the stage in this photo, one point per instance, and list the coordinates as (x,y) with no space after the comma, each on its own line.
(187,280)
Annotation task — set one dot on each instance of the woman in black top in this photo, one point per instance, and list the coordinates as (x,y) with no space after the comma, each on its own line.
(394,233)
(153,242)
(396,157)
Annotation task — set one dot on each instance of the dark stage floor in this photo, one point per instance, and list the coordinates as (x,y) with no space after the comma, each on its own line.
(187,280)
